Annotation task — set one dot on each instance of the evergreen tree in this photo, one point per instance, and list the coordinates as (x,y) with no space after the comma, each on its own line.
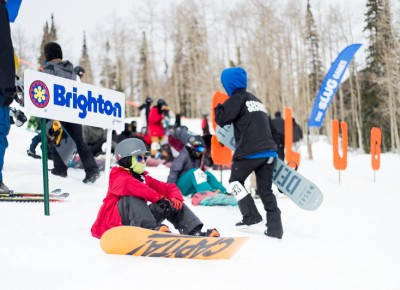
(85,63)
(144,70)
(374,88)
(49,34)
(315,75)
(53,30)
(312,42)
(108,74)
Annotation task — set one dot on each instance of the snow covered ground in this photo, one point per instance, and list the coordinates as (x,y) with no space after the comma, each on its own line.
(351,242)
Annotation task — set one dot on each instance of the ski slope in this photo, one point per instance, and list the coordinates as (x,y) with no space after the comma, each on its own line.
(351,242)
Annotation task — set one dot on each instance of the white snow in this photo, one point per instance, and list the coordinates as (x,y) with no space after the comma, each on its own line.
(351,242)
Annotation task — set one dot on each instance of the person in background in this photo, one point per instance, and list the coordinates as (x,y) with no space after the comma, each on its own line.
(297,134)
(57,67)
(32,147)
(131,188)
(255,150)
(94,138)
(186,169)
(155,125)
(146,106)
(8,91)
(144,136)
(205,127)
(127,133)
(279,124)
(79,71)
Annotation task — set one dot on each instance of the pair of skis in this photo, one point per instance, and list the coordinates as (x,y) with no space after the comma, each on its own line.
(56,195)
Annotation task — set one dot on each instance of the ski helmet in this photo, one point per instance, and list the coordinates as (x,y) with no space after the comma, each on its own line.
(149,100)
(130,147)
(79,70)
(195,146)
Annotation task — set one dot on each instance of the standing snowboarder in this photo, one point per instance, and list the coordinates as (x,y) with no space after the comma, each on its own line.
(255,150)
(57,67)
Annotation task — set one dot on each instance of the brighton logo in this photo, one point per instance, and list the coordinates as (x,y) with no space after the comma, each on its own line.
(39,94)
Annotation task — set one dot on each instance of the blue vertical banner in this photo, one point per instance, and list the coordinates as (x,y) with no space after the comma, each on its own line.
(331,84)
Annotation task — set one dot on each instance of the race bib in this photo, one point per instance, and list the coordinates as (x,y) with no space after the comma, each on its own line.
(200,176)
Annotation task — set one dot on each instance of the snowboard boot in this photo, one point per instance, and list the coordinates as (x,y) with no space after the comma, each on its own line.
(209,233)
(251,216)
(4,188)
(59,173)
(274,224)
(91,177)
(242,224)
(163,228)
(33,154)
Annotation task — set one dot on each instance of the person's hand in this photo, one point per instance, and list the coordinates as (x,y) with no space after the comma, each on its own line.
(161,208)
(176,203)
(163,203)
(8,96)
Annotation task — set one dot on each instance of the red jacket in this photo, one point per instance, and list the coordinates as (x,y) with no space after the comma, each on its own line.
(155,126)
(123,183)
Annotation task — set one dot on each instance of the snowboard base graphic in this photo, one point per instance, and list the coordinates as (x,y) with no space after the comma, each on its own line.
(66,147)
(129,240)
(299,189)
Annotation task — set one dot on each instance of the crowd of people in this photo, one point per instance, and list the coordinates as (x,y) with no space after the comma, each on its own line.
(134,197)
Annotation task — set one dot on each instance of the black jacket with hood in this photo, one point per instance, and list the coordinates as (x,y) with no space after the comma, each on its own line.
(252,129)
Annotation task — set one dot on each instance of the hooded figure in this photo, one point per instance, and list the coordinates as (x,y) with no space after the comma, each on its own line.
(255,150)
(57,67)
(234,79)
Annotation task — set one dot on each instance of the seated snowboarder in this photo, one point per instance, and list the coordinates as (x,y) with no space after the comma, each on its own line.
(187,173)
(131,188)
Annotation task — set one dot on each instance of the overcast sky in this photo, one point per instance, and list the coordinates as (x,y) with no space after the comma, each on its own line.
(75,16)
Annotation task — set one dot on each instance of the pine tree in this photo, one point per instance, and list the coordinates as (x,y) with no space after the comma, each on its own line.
(144,70)
(85,63)
(315,75)
(53,30)
(312,42)
(108,74)
(49,34)
(375,88)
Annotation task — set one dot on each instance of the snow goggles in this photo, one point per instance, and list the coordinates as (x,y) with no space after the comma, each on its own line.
(199,149)
(140,158)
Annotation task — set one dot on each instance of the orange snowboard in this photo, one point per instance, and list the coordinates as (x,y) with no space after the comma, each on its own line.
(129,240)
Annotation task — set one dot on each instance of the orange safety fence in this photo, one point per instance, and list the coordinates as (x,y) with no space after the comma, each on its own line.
(290,155)
(375,148)
(340,162)
(220,154)
(218,98)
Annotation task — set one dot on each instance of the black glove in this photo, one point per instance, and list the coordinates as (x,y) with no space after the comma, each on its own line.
(8,96)
(161,208)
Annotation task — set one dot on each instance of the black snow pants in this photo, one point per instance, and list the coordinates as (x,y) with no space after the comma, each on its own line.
(135,212)
(85,154)
(263,169)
